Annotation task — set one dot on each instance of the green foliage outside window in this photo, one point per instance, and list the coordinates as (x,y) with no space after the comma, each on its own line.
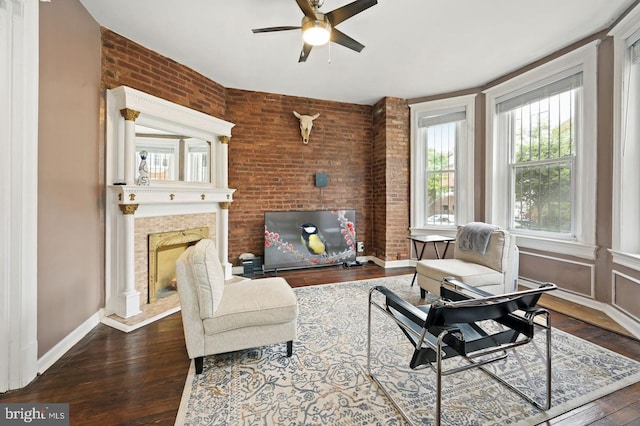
(440,187)
(543,166)
(438,164)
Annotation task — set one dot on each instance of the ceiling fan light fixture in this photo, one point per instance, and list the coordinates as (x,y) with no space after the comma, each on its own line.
(317,27)
(316,33)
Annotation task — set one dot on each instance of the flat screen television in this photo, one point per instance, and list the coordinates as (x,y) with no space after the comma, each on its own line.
(303,239)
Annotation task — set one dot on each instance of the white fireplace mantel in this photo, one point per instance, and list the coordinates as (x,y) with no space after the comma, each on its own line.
(171,194)
(126,201)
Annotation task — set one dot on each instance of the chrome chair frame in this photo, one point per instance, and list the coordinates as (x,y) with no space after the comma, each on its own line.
(448,328)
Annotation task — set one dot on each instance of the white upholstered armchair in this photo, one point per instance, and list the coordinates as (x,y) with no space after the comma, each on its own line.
(219,317)
(494,269)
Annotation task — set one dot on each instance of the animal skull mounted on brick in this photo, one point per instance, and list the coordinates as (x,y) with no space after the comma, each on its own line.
(306,123)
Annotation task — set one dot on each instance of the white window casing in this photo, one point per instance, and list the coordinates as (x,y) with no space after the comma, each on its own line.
(582,243)
(626,146)
(464,175)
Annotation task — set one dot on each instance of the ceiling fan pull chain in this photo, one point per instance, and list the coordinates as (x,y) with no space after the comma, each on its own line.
(329,61)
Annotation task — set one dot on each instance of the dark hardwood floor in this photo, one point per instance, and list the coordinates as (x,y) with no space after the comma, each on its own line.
(114,378)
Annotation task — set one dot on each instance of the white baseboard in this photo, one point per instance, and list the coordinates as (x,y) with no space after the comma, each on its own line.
(621,318)
(624,320)
(55,353)
(392,263)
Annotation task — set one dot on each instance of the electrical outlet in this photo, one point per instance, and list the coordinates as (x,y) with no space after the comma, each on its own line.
(360,246)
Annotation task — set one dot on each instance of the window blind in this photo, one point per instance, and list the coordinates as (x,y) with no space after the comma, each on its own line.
(450,116)
(559,86)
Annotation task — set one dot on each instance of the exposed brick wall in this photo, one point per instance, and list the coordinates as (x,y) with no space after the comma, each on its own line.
(379,179)
(270,166)
(126,63)
(273,170)
(390,191)
(397,179)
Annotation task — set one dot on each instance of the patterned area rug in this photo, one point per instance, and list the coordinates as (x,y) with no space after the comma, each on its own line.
(326,380)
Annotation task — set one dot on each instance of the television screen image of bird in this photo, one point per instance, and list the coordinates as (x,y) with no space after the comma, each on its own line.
(313,239)
(308,238)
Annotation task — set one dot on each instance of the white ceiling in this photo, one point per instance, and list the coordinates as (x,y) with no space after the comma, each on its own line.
(414,48)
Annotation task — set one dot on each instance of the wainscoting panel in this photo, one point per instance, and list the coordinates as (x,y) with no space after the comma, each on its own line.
(569,275)
(625,291)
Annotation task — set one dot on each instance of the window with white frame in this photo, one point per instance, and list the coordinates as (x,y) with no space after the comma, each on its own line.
(541,154)
(629,157)
(540,128)
(626,154)
(442,172)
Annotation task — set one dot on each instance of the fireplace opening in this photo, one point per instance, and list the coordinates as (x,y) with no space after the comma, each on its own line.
(164,250)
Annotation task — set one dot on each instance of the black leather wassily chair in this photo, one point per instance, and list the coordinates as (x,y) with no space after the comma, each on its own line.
(469,323)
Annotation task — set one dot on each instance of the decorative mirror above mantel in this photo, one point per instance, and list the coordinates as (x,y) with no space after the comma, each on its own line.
(172,157)
(166,161)
(184,145)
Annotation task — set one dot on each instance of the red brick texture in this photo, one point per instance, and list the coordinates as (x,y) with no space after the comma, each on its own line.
(390,190)
(126,63)
(273,170)
(363,149)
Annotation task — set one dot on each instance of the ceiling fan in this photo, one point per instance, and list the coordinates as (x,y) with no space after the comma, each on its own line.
(319,28)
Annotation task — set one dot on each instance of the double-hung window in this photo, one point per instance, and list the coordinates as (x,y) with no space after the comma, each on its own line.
(442,158)
(626,152)
(541,155)
(541,129)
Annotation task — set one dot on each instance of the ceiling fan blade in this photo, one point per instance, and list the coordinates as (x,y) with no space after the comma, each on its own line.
(272,29)
(339,37)
(345,12)
(304,54)
(306,8)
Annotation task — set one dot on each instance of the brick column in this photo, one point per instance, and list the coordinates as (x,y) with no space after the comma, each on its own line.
(391,179)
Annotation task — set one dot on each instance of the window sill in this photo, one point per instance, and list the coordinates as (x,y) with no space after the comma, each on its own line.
(630,260)
(571,248)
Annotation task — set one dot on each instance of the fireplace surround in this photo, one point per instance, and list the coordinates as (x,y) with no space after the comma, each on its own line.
(164,250)
(134,211)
